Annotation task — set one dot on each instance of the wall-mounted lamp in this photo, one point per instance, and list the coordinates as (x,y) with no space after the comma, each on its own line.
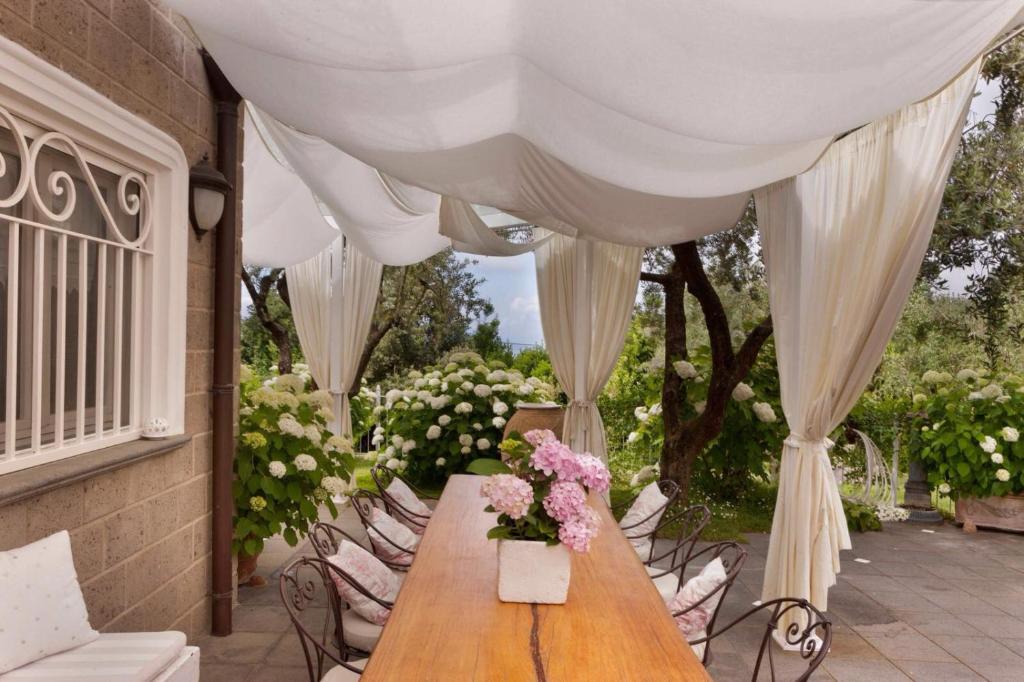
(207,189)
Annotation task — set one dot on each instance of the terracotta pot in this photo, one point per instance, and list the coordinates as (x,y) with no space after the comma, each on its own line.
(1002,513)
(530,416)
(246,567)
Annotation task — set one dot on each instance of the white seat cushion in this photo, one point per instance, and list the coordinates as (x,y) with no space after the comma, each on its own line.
(185,668)
(642,518)
(370,574)
(112,657)
(340,673)
(359,632)
(404,495)
(696,618)
(42,611)
(386,528)
(666,584)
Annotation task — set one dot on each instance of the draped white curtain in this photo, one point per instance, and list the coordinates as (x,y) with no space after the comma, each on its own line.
(309,289)
(586,291)
(333,297)
(842,246)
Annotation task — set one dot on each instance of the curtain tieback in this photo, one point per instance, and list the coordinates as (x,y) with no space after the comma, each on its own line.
(582,403)
(795,440)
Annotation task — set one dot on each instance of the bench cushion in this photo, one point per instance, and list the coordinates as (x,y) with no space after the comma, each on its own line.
(113,657)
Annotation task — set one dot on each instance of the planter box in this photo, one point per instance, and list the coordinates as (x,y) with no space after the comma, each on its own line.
(1003,513)
(533,572)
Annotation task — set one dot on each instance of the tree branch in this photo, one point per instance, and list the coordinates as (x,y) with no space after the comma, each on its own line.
(655,277)
(747,355)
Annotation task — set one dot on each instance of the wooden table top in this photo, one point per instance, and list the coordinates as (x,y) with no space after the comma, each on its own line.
(448,623)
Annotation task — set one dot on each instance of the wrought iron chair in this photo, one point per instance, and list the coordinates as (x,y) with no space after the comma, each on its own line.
(364,502)
(810,632)
(691,521)
(670,490)
(326,538)
(382,477)
(733,557)
(312,601)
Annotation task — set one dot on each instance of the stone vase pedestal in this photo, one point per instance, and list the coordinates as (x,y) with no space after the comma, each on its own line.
(1002,513)
(531,572)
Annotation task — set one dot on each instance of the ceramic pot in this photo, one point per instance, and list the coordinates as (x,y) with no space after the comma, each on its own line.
(531,572)
(530,416)
(246,567)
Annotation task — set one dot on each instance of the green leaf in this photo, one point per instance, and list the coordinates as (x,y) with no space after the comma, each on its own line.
(290,537)
(488,467)
(499,533)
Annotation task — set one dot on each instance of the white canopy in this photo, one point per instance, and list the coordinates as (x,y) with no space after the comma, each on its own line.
(639,124)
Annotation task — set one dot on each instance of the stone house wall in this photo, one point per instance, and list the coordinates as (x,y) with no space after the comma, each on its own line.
(140,533)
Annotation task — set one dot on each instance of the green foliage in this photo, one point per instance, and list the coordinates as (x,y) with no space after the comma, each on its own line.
(287,464)
(486,341)
(257,345)
(751,436)
(860,518)
(966,433)
(534,362)
(424,311)
(487,467)
(444,417)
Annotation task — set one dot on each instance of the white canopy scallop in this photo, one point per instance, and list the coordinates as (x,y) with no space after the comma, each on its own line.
(598,117)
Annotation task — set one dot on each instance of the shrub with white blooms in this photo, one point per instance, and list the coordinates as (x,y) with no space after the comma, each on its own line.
(288,462)
(466,403)
(977,451)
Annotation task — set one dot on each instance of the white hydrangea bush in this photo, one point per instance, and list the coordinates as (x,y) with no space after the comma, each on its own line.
(967,432)
(288,462)
(441,418)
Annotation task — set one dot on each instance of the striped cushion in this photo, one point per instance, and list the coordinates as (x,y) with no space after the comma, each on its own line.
(114,657)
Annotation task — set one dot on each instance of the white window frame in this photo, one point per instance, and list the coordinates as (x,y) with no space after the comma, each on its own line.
(46,97)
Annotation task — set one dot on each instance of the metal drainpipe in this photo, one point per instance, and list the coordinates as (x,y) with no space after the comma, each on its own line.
(224,313)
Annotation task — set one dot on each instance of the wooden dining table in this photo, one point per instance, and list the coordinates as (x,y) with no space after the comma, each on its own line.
(448,624)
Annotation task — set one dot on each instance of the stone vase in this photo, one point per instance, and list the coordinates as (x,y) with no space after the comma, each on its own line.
(530,416)
(531,572)
(1002,513)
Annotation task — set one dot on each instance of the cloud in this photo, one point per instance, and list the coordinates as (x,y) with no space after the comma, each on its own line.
(525,305)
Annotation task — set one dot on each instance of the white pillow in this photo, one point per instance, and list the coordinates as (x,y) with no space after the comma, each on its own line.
(386,527)
(403,495)
(693,622)
(369,572)
(649,503)
(42,611)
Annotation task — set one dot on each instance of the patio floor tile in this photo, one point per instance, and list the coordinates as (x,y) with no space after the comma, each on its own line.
(240,647)
(860,670)
(260,618)
(998,673)
(998,626)
(274,673)
(931,623)
(981,650)
(927,671)
(899,640)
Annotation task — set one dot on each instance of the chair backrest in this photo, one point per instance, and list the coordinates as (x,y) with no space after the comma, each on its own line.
(382,477)
(312,602)
(670,489)
(809,632)
(326,538)
(691,521)
(364,502)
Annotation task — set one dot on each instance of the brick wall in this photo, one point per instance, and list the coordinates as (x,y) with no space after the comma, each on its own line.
(140,534)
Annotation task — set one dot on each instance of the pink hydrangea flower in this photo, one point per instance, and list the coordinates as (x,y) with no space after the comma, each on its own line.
(538,437)
(565,501)
(555,458)
(577,533)
(508,494)
(593,473)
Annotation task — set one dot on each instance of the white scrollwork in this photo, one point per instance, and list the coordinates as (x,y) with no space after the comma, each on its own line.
(59,183)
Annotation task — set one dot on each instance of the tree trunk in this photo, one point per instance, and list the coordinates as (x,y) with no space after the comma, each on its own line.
(686,438)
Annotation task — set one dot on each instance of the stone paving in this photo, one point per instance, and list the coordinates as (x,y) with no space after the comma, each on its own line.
(932,606)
